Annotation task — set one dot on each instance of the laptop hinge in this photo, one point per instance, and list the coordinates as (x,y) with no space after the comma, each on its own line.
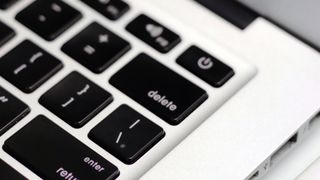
(232,11)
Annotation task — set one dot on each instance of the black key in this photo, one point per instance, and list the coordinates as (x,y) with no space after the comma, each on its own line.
(52,153)
(11,110)
(6,33)
(76,99)
(48,18)
(153,33)
(28,66)
(5,4)
(159,89)
(111,9)
(8,173)
(205,66)
(126,134)
(96,48)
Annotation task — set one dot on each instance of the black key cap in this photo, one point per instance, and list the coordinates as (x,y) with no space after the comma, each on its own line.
(96,48)
(8,173)
(126,134)
(205,66)
(48,18)
(111,9)
(159,89)
(11,110)
(154,34)
(53,154)
(28,66)
(76,99)
(6,33)
(5,4)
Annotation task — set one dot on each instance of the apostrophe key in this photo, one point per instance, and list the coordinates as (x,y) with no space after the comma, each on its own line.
(76,99)
(111,9)
(11,110)
(8,173)
(6,33)
(126,134)
(159,89)
(27,66)
(48,18)
(205,66)
(96,48)
(153,33)
(53,154)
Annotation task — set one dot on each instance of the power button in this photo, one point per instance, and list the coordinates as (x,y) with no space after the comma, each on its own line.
(205,63)
(205,66)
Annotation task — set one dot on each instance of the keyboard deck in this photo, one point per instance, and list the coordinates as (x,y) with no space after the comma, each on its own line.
(103,89)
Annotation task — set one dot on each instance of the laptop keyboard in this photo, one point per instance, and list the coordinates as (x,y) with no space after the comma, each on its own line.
(101,87)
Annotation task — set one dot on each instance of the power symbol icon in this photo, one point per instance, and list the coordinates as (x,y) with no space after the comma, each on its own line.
(205,63)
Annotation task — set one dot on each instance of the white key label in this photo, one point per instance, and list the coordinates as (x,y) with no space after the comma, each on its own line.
(162,100)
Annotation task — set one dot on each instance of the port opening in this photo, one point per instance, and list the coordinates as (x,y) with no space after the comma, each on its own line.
(314,120)
(283,149)
(254,176)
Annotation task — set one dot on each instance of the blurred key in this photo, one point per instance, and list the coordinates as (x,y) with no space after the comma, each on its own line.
(96,47)
(6,33)
(111,9)
(8,173)
(11,110)
(28,66)
(5,4)
(48,18)
(153,33)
